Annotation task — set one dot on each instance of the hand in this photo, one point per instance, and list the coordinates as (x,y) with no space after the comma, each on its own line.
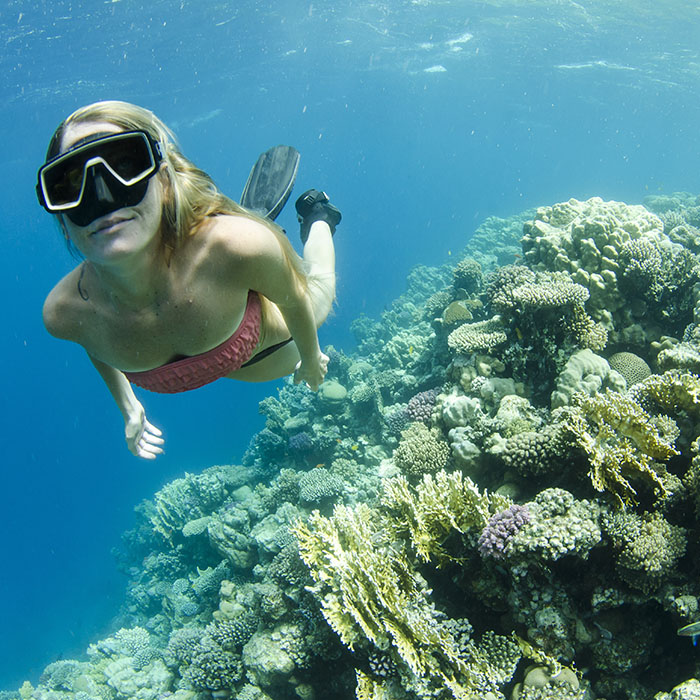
(143,438)
(313,376)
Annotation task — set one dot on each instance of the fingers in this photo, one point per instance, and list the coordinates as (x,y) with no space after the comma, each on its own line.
(148,444)
(150,428)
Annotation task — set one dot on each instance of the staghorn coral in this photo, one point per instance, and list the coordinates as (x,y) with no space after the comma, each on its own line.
(622,443)
(421,450)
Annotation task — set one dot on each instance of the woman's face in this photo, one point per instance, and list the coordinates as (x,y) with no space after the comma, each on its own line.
(122,232)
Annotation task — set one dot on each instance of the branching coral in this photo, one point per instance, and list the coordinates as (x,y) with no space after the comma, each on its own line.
(439,505)
(370,590)
(648,546)
(622,442)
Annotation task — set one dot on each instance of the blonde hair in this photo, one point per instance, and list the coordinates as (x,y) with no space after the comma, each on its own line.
(191,195)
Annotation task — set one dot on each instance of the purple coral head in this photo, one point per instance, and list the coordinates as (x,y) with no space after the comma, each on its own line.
(500,528)
(420,407)
(301,442)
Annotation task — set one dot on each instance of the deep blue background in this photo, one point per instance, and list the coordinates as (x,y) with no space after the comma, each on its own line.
(545,101)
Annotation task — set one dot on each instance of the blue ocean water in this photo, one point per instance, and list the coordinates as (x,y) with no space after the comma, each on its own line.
(419,118)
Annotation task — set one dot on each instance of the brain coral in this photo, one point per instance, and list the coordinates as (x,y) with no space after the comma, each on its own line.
(630,366)
(421,451)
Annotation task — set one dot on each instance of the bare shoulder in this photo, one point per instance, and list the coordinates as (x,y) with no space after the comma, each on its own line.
(60,312)
(238,239)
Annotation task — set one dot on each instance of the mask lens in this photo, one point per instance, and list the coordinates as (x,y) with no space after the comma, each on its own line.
(64,181)
(130,157)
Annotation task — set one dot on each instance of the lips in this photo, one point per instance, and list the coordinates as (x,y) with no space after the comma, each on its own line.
(108,223)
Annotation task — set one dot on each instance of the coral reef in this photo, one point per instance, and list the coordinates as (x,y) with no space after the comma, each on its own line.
(494,496)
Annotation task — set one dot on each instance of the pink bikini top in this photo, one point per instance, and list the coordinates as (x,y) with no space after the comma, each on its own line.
(193,372)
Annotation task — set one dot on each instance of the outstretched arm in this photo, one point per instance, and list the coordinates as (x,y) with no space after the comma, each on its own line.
(143,438)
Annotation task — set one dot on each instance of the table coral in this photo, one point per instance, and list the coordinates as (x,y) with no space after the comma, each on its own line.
(319,485)
(480,336)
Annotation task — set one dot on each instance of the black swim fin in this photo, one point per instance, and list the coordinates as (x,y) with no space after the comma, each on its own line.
(270,181)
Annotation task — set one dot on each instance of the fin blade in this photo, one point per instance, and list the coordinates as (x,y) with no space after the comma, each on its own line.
(271,180)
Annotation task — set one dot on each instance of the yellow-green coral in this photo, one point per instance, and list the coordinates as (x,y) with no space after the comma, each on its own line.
(436,507)
(622,442)
(672,391)
(370,589)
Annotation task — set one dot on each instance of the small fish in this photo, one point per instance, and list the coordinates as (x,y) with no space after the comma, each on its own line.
(410,349)
(691,630)
(355,448)
(435,69)
(519,333)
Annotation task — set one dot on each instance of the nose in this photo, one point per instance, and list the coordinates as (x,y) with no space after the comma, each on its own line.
(102,190)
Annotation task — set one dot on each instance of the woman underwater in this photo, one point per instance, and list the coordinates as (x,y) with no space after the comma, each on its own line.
(179,285)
